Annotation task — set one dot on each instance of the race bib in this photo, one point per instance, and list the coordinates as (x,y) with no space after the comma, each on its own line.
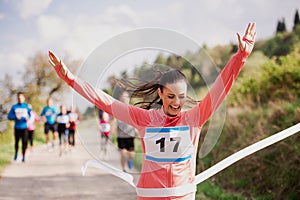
(49,113)
(73,117)
(105,127)
(168,144)
(21,112)
(64,119)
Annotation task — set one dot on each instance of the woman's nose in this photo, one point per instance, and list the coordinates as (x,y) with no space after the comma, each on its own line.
(177,100)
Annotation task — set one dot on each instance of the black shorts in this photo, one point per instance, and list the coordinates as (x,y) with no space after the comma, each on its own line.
(126,143)
(50,127)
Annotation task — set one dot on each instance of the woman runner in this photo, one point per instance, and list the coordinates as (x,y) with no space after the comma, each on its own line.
(169,136)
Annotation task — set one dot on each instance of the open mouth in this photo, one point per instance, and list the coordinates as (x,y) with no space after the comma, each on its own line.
(175,108)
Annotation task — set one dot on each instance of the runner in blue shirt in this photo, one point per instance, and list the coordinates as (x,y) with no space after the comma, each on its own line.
(20,113)
(48,115)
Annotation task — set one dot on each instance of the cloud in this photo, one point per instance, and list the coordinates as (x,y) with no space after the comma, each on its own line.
(31,8)
(2,16)
(51,28)
(81,33)
(121,14)
(14,61)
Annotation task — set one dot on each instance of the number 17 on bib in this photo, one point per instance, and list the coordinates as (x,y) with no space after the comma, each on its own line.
(168,144)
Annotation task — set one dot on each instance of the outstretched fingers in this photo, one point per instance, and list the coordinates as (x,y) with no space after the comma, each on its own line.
(53,60)
(250,31)
(253,31)
(56,63)
(247,41)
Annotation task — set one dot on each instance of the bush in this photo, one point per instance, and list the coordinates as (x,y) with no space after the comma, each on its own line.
(279,79)
(272,173)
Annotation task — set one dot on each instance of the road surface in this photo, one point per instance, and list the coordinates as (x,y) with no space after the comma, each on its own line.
(46,175)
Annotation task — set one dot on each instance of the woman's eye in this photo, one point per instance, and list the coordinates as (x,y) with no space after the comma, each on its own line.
(171,97)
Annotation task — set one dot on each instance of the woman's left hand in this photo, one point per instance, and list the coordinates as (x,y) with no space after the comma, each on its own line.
(57,64)
(61,69)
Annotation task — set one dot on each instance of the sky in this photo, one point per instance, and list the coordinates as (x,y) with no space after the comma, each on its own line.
(78,27)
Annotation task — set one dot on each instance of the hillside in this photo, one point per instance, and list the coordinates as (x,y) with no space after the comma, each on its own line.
(264,100)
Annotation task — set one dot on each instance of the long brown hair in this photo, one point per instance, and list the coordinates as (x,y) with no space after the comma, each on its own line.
(146,91)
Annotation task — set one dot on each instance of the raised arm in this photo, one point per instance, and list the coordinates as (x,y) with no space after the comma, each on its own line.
(61,69)
(98,98)
(224,81)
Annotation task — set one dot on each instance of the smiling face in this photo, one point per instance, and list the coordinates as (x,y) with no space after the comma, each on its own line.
(173,96)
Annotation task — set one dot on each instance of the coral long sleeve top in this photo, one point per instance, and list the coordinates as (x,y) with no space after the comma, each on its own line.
(165,171)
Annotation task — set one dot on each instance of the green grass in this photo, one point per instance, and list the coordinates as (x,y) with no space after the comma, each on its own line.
(6,152)
(209,191)
(7,149)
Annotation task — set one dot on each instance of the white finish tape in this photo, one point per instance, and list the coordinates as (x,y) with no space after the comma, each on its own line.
(185,189)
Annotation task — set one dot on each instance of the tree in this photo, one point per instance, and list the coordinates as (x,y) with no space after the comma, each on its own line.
(90,112)
(41,81)
(281,27)
(175,61)
(160,59)
(296,20)
(7,91)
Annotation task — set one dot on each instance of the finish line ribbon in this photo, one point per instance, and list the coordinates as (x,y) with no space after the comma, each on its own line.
(185,189)
(246,152)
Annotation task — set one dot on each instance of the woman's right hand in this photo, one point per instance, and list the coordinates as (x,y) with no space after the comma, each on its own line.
(60,68)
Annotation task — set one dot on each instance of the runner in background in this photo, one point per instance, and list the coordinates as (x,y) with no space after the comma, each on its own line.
(48,115)
(125,133)
(63,125)
(31,126)
(74,118)
(20,113)
(105,129)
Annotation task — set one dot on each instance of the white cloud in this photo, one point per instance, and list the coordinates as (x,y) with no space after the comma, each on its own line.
(14,61)
(2,16)
(80,34)
(121,14)
(51,28)
(30,8)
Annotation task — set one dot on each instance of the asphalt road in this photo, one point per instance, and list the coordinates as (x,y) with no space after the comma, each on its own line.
(46,175)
